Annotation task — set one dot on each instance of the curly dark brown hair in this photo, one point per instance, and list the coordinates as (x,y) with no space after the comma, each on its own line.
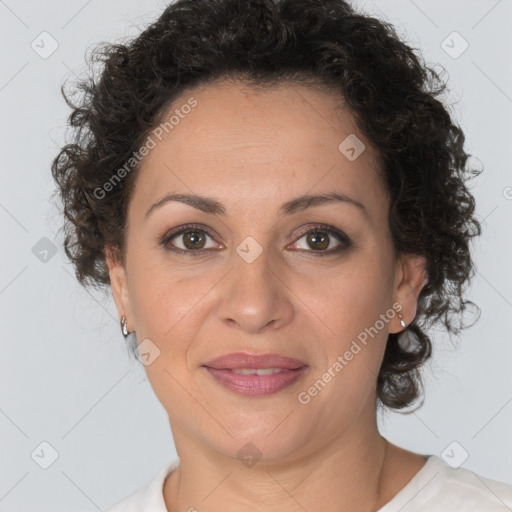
(392,93)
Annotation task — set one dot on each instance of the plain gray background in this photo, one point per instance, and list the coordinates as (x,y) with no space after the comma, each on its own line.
(66,378)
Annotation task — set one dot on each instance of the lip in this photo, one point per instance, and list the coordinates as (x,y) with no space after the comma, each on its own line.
(221,369)
(237,360)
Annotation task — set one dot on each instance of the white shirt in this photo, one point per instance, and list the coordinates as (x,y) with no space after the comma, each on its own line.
(437,487)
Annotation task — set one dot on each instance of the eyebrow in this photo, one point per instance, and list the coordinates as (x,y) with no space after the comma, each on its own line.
(212,206)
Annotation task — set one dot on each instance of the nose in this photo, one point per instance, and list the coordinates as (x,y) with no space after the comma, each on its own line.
(256,297)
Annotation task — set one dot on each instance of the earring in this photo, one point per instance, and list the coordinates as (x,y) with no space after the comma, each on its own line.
(124,329)
(407,339)
(402,323)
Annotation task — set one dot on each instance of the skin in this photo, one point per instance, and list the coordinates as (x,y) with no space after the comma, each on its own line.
(253,151)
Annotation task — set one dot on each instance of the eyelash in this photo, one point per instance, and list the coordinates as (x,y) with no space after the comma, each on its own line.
(318,228)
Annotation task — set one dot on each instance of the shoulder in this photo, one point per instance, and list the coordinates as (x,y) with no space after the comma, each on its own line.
(438,486)
(148,498)
(462,487)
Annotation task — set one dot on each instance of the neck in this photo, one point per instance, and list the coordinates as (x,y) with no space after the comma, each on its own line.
(344,474)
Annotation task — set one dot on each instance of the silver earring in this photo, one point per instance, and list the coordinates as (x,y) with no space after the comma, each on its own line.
(402,323)
(124,329)
(407,339)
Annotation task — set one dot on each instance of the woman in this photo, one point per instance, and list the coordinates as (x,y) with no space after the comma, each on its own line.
(278,201)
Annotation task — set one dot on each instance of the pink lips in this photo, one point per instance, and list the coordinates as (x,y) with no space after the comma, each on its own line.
(285,372)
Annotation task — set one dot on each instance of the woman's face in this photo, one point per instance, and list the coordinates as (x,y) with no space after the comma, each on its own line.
(250,279)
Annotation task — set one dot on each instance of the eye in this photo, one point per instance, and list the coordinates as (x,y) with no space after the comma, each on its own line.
(193,240)
(318,239)
(190,239)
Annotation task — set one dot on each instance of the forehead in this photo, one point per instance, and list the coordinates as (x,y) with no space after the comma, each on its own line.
(239,143)
(231,115)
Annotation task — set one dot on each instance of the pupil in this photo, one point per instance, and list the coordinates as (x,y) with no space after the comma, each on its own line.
(193,236)
(315,237)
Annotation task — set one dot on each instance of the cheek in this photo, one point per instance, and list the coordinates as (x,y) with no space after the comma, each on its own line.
(163,307)
(349,298)
(352,304)
(159,300)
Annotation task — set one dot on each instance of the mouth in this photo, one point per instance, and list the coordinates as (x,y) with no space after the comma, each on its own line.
(255,375)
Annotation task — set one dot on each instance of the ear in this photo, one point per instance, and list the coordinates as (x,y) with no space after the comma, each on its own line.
(119,285)
(410,278)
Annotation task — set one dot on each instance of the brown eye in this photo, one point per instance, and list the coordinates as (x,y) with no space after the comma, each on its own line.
(193,239)
(188,239)
(319,240)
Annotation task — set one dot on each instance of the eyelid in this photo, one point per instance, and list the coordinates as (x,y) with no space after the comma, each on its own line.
(345,241)
(321,228)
